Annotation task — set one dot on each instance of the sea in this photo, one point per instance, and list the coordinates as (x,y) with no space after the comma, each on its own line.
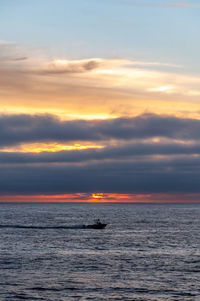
(147,252)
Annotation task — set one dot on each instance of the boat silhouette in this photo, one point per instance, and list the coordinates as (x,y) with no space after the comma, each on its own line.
(97,225)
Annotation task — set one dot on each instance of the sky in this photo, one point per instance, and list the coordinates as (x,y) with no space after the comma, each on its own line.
(99,101)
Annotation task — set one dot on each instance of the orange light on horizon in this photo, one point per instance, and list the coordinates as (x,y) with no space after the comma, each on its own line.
(103,198)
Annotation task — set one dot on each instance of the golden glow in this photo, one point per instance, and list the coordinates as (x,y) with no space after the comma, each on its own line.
(90,117)
(124,106)
(48,147)
(61,114)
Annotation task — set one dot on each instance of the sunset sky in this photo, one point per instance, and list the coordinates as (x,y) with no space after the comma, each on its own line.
(100,100)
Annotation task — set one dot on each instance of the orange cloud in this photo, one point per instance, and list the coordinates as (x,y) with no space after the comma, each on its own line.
(95,87)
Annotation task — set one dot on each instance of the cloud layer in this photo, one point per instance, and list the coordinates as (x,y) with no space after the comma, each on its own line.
(155,176)
(139,155)
(17,129)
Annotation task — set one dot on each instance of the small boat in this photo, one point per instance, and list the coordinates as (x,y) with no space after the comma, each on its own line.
(97,225)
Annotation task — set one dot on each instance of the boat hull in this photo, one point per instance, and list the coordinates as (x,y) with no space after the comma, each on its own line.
(96,226)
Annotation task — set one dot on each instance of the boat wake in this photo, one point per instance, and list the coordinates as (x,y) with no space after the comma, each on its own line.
(43,227)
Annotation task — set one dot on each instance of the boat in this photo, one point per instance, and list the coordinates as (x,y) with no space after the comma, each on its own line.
(97,225)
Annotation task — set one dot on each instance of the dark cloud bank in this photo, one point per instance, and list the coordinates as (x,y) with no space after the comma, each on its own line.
(135,164)
(26,128)
(116,177)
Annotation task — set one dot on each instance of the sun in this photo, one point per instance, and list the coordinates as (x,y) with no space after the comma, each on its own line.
(96,197)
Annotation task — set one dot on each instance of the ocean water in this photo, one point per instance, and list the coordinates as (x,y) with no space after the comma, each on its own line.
(147,252)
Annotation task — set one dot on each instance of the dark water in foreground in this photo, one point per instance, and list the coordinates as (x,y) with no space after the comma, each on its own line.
(147,252)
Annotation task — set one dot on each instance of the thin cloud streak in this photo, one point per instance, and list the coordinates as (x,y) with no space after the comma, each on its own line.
(169,4)
(131,151)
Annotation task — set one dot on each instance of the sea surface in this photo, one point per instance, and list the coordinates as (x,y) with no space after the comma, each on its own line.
(147,252)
